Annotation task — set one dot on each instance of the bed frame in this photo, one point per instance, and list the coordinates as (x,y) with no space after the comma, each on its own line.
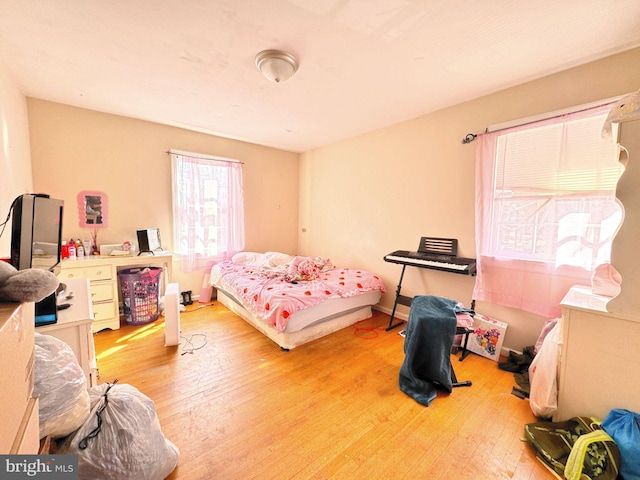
(289,340)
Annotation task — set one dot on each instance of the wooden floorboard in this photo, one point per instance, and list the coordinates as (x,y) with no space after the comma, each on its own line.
(238,407)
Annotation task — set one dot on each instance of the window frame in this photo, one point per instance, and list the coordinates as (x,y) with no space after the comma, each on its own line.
(203,187)
(508,277)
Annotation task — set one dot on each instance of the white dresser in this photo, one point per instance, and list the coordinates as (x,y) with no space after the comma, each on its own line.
(102,273)
(19,420)
(599,361)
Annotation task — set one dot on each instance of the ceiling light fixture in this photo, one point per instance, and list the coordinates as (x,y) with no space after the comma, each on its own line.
(276,65)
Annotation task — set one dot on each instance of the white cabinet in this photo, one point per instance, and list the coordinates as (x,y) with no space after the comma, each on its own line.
(102,273)
(599,362)
(74,327)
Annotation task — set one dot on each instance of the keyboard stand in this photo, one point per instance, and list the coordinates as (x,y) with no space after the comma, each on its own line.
(400,299)
(406,301)
(437,246)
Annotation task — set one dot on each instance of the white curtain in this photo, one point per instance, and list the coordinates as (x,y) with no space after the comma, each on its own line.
(208,209)
(545,209)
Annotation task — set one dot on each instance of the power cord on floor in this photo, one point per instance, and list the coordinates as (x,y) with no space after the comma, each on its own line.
(189,347)
(196,308)
(370,332)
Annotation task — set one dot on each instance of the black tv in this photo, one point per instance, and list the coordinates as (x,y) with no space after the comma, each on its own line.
(36,238)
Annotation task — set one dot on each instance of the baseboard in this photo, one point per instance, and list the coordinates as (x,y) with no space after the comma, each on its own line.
(401,316)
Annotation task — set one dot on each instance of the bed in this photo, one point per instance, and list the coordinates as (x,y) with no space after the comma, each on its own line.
(294,299)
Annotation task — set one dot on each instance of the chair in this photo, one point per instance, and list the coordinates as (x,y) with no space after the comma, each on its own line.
(429,337)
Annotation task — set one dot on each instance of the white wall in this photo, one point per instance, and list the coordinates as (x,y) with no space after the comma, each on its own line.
(368,196)
(15,156)
(74,149)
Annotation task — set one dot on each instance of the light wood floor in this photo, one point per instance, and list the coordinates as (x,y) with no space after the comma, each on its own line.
(241,408)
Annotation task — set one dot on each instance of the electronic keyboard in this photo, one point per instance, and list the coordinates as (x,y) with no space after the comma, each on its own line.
(466,266)
(437,254)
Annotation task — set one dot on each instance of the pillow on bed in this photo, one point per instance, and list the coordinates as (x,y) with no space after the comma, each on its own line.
(276,259)
(248,258)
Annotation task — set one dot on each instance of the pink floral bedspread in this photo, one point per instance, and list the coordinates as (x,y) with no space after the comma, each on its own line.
(269,296)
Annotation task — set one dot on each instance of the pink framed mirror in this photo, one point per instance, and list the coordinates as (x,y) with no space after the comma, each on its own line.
(92,209)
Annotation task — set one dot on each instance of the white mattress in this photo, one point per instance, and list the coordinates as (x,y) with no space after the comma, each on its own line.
(311,323)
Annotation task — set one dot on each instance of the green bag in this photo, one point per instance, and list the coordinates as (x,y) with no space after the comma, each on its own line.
(577,449)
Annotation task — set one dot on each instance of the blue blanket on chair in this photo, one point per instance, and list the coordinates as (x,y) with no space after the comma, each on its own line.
(427,346)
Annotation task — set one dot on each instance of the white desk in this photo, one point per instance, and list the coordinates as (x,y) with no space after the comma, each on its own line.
(103,275)
(74,326)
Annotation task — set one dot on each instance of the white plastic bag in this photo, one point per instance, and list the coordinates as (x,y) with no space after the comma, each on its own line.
(543,375)
(548,325)
(121,438)
(61,386)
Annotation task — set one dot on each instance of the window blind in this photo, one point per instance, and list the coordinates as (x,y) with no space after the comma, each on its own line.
(557,157)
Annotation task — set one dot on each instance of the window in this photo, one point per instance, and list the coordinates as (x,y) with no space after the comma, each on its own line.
(208,209)
(546,211)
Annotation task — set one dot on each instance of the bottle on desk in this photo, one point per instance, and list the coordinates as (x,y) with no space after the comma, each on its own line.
(72,249)
(64,250)
(87,247)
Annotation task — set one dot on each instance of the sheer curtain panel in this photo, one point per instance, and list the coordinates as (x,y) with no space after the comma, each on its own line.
(208,209)
(545,209)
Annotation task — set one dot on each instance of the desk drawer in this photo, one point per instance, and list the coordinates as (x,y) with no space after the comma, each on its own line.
(101,292)
(70,273)
(104,310)
(102,272)
(27,440)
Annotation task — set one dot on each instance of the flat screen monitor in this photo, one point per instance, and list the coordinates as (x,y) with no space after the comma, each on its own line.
(36,237)
(149,240)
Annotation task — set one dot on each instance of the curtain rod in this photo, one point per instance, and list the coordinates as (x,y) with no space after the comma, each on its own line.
(470,137)
(202,156)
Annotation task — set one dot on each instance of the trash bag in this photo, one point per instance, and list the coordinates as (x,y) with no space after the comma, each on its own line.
(61,386)
(543,375)
(624,428)
(121,438)
(546,328)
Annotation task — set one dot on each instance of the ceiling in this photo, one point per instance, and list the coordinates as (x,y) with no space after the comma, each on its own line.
(364,64)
